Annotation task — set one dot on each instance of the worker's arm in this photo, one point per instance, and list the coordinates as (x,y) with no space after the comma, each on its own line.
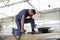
(22,23)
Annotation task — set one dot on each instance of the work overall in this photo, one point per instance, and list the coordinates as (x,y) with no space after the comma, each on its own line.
(18,21)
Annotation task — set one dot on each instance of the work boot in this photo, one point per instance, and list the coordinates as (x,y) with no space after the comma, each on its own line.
(34,32)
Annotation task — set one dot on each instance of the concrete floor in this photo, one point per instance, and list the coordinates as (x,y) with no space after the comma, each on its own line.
(43,36)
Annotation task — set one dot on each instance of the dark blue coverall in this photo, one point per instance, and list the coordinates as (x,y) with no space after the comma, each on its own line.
(29,20)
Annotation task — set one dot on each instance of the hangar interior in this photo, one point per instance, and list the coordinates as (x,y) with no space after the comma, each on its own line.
(48,14)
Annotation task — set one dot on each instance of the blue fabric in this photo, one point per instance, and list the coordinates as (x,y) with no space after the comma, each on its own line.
(23,12)
(30,20)
(18,20)
(16,31)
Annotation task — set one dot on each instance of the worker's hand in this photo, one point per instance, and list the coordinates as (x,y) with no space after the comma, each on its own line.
(22,30)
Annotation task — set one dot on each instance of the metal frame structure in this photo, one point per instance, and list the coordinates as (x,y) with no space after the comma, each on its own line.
(2,0)
(18,3)
(6,2)
(7,5)
(12,4)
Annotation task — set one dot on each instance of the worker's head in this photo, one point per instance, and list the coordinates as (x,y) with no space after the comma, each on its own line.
(31,12)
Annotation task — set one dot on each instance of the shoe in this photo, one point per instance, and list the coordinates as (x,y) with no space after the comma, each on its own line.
(34,32)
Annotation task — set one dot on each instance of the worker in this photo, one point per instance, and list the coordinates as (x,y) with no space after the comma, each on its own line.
(21,18)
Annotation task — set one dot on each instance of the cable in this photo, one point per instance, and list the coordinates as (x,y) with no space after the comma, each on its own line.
(0,38)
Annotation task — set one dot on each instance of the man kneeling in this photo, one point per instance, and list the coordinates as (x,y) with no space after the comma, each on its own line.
(21,18)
